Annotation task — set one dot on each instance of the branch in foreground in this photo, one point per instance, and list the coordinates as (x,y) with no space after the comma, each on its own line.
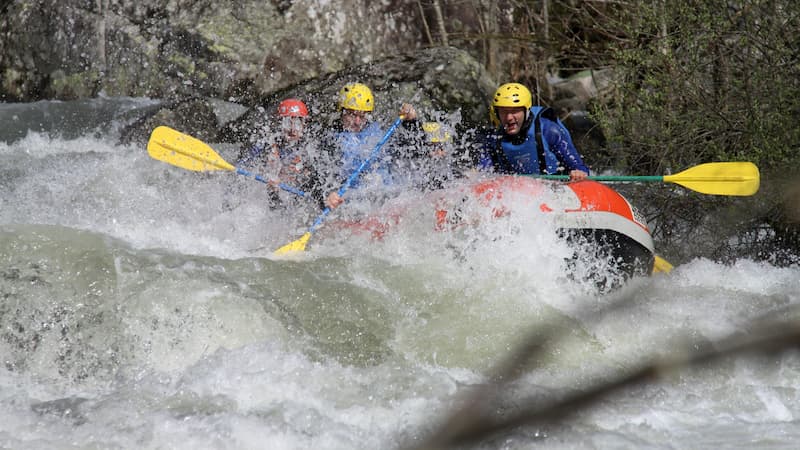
(468,425)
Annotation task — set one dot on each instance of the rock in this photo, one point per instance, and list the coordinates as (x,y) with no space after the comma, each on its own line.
(586,134)
(440,79)
(193,116)
(67,49)
(575,92)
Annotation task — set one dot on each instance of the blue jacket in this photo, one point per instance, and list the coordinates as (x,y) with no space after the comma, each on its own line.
(356,147)
(520,153)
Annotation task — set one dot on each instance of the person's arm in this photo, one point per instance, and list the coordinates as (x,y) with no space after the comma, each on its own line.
(248,154)
(483,148)
(314,187)
(327,195)
(409,140)
(485,160)
(561,145)
(492,157)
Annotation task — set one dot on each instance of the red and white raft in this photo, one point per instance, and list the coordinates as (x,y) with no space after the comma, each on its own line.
(591,215)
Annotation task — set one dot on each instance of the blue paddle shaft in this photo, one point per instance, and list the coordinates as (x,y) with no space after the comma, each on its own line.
(283,186)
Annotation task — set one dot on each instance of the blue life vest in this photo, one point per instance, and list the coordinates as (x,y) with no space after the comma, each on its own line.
(524,155)
(356,147)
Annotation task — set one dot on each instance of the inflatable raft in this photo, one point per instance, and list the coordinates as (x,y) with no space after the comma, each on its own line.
(593,217)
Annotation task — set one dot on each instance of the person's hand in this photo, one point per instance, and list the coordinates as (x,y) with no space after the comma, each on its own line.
(408,112)
(333,200)
(472,174)
(577,175)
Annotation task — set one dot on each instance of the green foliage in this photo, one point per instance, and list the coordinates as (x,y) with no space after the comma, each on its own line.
(701,81)
(694,81)
(705,81)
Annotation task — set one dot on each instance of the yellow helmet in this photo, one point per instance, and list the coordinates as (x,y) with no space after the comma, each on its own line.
(512,94)
(356,96)
(435,133)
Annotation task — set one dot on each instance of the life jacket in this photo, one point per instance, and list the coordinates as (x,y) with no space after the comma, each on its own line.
(280,159)
(287,163)
(356,147)
(532,154)
(247,158)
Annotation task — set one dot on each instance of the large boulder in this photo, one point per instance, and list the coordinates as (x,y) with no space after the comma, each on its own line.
(576,92)
(441,82)
(70,49)
(193,116)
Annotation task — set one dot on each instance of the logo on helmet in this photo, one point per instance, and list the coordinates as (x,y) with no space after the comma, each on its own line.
(291,107)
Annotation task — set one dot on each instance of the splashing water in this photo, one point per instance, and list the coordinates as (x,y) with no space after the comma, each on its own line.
(139,312)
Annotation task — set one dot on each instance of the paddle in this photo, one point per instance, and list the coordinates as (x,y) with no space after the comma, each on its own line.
(717,178)
(299,245)
(186,152)
(661,265)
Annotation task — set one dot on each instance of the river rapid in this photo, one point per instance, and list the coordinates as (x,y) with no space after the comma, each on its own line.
(141,307)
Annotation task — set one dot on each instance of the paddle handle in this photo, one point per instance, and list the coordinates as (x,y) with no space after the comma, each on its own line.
(283,186)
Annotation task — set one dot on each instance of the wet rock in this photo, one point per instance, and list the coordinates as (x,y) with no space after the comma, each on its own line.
(440,79)
(193,116)
(436,80)
(68,49)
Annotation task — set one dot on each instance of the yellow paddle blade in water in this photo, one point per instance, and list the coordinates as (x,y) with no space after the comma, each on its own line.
(184,151)
(719,178)
(295,246)
(661,265)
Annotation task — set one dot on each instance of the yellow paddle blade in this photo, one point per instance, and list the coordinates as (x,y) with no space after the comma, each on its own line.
(720,178)
(295,246)
(661,265)
(184,151)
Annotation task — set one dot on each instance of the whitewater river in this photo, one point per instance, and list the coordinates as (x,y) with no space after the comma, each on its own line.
(140,308)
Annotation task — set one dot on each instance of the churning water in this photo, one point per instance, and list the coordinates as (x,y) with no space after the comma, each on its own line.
(137,310)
